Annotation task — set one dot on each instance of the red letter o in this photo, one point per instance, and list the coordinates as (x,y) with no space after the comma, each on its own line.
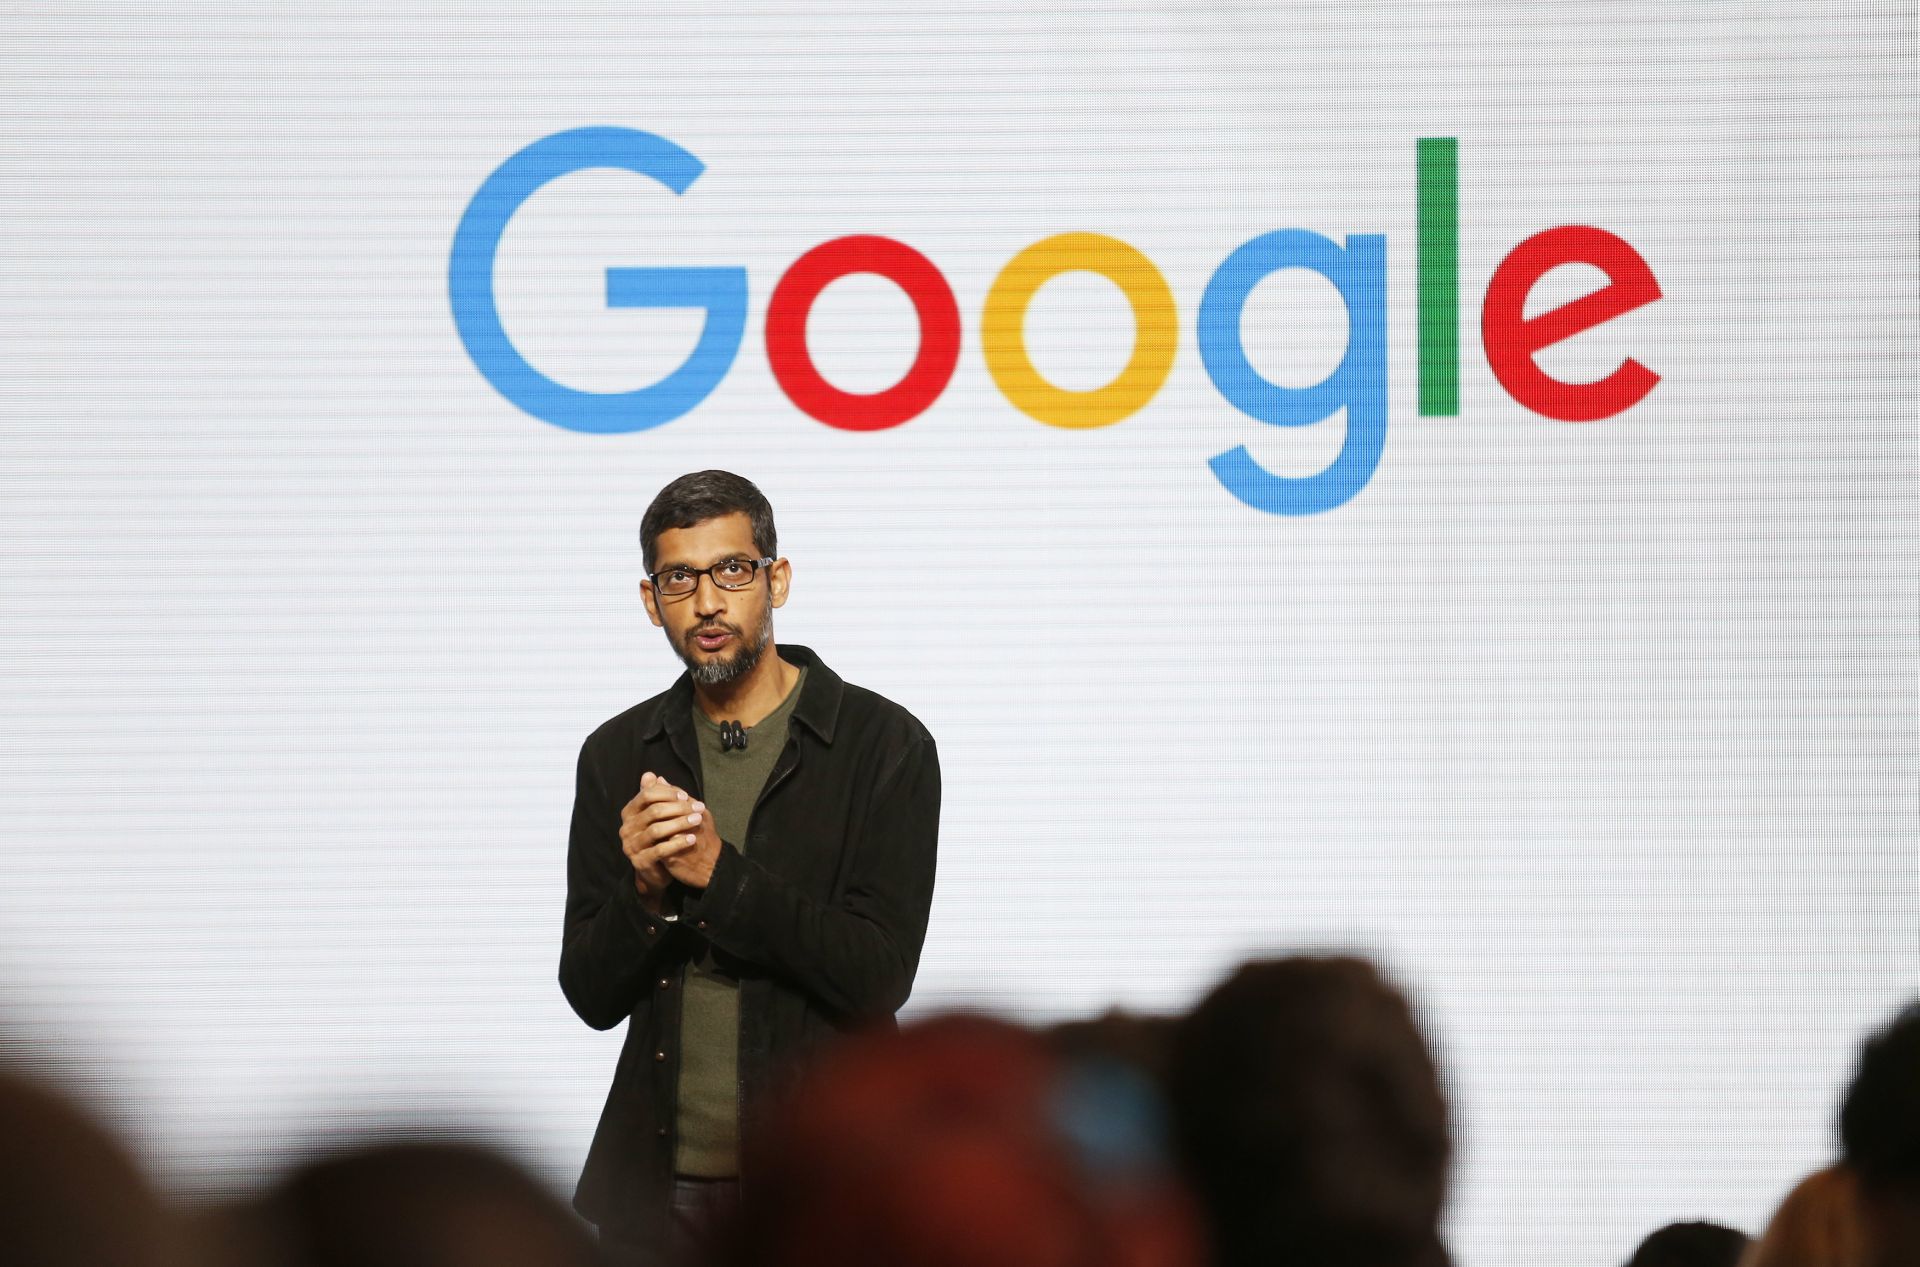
(933,303)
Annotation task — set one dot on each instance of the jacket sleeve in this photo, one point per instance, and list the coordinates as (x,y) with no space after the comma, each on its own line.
(611,944)
(857,956)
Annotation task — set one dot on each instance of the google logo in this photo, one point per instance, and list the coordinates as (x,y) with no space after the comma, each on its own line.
(1357,270)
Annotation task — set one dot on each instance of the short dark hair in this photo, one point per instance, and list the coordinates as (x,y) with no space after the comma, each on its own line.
(1696,1244)
(384,1202)
(1308,1115)
(703,495)
(75,1195)
(1880,1117)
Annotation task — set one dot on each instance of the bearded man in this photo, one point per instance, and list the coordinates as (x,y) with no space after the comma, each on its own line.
(749,872)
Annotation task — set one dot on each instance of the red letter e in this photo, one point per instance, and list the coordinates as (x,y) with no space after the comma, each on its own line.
(1511,340)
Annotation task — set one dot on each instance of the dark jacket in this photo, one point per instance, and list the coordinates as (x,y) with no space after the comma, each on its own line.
(821,918)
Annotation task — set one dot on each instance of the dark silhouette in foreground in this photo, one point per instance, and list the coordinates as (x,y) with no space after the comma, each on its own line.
(1309,1118)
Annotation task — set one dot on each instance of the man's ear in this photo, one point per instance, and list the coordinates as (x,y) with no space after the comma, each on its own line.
(648,597)
(779,577)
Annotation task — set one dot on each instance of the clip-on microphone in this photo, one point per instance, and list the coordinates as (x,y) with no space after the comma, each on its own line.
(732,735)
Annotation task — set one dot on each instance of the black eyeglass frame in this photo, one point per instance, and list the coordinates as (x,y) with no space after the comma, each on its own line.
(756,565)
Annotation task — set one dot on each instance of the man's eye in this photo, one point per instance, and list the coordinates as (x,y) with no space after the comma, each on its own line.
(675,578)
(733,570)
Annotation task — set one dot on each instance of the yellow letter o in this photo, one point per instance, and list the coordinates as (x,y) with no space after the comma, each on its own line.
(1003,330)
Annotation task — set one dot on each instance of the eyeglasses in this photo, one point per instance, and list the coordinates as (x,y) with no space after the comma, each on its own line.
(728,574)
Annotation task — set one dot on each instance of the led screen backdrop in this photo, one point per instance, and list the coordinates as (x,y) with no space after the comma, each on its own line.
(1436,480)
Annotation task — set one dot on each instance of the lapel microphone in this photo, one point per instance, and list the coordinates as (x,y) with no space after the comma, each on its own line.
(732,735)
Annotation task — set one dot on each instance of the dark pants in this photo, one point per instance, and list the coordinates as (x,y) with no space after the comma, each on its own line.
(699,1207)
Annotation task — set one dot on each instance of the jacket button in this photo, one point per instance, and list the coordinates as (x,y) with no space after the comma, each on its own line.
(703,926)
(659,1055)
(653,929)
(662,1132)
(665,982)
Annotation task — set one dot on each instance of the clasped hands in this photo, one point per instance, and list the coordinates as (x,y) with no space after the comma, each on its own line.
(667,836)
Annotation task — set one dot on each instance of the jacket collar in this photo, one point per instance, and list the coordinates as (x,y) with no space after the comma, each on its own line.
(818,708)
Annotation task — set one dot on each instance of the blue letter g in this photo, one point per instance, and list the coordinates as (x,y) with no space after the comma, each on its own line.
(721,292)
(1359,385)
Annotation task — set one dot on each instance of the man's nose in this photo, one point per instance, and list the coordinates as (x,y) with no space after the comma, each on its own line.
(708,598)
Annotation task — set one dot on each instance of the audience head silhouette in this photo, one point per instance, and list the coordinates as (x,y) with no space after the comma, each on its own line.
(1880,1139)
(951,1144)
(1310,1118)
(1817,1225)
(71,1195)
(408,1203)
(1696,1244)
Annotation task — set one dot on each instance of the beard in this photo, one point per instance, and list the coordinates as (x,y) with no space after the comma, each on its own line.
(727,669)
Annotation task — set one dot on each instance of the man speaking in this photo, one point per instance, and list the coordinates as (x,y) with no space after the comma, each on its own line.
(749,871)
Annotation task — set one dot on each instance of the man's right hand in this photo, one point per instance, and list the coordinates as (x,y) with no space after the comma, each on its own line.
(649,824)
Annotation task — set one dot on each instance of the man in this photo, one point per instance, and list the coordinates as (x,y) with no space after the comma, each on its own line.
(749,871)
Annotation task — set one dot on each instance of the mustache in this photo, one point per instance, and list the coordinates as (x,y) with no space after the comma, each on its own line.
(714,628)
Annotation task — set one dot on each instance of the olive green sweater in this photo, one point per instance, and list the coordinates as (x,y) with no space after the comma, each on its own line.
(708,1106)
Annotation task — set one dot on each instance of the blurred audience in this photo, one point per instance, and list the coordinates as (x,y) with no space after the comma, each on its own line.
(1294,1118)
(962,1142)
(1697,1244)
(1817,1225)
(405,1203)
(70,1194)
(1880,1139)
(1309,1117)
(1137,1040)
